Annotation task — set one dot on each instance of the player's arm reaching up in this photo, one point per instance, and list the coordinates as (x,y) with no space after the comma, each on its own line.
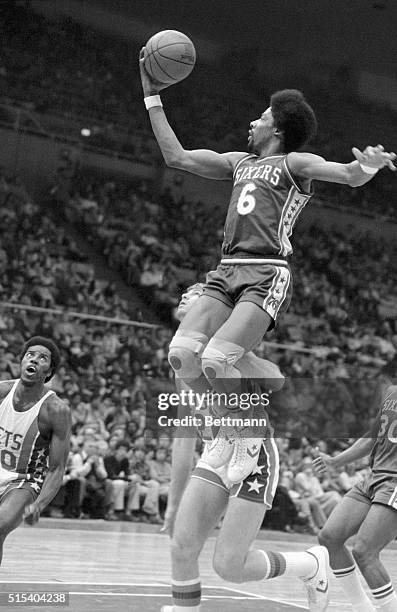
(356,173)
(202,162)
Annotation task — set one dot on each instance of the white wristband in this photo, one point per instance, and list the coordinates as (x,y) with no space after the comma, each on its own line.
(368,169)
(151,101)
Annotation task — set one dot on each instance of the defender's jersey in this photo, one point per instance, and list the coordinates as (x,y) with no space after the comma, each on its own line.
(23,452)
(384,452)
(265,203)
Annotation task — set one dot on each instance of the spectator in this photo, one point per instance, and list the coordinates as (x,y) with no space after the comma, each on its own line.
(142,485)
(118,470)
(309,486)
(94,473)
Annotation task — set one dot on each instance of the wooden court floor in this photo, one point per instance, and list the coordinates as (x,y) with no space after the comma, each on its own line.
(123,567)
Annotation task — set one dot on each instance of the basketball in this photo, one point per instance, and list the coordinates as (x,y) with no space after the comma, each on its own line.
(169,56)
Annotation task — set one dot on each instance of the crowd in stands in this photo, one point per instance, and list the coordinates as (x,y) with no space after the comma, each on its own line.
(343,312)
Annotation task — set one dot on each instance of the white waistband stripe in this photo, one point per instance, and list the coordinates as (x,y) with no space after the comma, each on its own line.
(248,260)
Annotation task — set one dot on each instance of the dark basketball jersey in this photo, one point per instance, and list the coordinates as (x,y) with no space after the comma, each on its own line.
(265,203)
(384,452)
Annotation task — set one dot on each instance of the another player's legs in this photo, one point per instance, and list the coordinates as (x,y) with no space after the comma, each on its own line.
(194,523)
(198,325)
(236,561)
(344,522)
(378,529)
(12,507)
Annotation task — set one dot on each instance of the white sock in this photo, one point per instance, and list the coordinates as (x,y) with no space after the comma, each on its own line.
(300,564)
(349,580)
(385,598)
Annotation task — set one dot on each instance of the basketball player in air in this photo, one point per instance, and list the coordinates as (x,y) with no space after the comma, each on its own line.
(369,510)
(271,185)
(34,438)
(198,500)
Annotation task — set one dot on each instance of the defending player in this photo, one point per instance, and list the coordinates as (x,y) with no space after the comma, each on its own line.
(34,438)
(197,502)
(369,510)
(271,186)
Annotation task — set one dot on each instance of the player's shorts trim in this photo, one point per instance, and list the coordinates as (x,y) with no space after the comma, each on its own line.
(260,486)
(376,489)
(33,488)
(278,292)
(203,471)
(246,261)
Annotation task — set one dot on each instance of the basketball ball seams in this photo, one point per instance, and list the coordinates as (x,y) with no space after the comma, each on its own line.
(160,49)
(190,63)
(169,76)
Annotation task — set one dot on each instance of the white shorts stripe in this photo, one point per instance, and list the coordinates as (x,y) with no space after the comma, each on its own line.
(277,292)
(273,465)
(248,260)
(393,499)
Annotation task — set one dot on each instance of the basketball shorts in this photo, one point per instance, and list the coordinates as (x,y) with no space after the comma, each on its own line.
(28,485)
(259,487)
(267,285)
(376,488)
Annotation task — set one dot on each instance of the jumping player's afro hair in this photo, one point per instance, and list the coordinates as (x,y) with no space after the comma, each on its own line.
(52,347)
(294,117)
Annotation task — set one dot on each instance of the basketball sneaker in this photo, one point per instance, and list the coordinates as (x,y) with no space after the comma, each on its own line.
(220,450)
(317,587)
(244,458)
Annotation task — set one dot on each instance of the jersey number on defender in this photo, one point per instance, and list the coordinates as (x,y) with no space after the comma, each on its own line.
(246,202)
(392,431)
(8,460)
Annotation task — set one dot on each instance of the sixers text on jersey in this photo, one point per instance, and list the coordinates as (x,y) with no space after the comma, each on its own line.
(264,206)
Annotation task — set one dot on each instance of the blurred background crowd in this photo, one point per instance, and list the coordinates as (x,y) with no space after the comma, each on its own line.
(96,257)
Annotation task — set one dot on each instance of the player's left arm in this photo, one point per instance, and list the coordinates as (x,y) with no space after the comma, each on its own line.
(60,422)
(356,173)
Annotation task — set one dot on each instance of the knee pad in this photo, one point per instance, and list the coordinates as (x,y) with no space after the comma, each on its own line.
(265,372)
(219,357)
(184,353)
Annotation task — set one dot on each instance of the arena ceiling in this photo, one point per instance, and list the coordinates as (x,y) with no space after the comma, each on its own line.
(360,33)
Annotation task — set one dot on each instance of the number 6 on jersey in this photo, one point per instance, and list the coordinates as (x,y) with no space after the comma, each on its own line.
(246,202)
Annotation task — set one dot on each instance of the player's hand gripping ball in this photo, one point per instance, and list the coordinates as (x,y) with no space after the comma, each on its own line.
(169,56)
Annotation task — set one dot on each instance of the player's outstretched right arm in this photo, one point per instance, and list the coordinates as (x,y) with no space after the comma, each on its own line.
(202,162)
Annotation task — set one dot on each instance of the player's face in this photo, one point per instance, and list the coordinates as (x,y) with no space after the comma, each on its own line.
(260,132)
(187,301)
(35,364)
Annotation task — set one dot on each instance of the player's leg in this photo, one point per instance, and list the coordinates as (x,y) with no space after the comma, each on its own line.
(263,292)
(378,529)
(202,505)
(344,522)
(242,331)
(12,507)
(235,559)
(187,346)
